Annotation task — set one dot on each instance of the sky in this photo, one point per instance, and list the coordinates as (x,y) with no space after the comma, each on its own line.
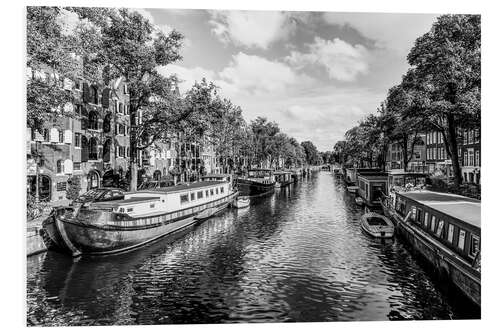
(316,74)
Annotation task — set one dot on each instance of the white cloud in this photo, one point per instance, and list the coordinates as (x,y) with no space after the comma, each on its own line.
(248,75)
(251,28)
(392,31)
(187,76)
(342,60)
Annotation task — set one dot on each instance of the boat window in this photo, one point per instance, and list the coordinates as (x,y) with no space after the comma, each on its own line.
(184,198)
(426,219)
(206,193)
(439,231)
(192,196)
(222,190)
(217,191)
(122,210)
(433,223)
(200,194)
(211,191)
(131,209)
(461,239)
(474,246)
(451,229)
(152,205)
(413,213)
(419,215)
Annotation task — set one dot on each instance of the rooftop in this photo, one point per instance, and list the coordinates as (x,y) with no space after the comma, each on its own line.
(456,206)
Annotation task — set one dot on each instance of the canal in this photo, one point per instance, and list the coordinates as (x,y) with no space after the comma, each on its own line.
(298,255)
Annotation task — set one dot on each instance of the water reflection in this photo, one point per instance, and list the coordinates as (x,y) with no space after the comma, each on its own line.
(296,255)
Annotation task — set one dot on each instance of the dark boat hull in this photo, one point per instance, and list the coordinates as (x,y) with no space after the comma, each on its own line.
(79,236)
(250,187)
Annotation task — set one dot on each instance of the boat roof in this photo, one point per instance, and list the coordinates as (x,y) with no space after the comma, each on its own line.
(281,172)
(216,175)
(375,176)
(457,206)
(185,187)
(411,174)
(131,200)
(260,169)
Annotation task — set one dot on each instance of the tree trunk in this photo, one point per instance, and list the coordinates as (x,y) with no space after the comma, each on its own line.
(405,153)
(452,134)
(133,151)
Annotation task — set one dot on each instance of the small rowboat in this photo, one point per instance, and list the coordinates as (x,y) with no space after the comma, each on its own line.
(359,201)
(241,202)
(377,225)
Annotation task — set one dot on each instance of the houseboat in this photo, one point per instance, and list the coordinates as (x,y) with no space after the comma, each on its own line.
(141,217)
(258,182)
(282,178)
(446,230)
(372,187)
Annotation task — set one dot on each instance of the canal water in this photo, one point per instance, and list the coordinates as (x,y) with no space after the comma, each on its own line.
(297,255)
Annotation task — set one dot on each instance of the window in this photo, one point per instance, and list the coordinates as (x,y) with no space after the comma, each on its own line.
(451,229)
(466,158)
(78,142)
(60,166)
(426,219)
(439,231)
(217,191)
(206,193)
(222,190)
(419,215)
(192,196)
(184,198)
(131,209)
(211,191)
(433,223)
(152,205)
(200,194)
(61,186)
(474,246)
(478,162)
(61,136)
(471,137)
(476,136)
(461,239)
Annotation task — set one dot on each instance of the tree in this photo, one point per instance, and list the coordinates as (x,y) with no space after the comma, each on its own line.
(447,74)
(311,152)
(263,135)
(59,53)
(133,49)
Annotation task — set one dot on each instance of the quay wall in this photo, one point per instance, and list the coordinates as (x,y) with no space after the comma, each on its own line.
(34,241)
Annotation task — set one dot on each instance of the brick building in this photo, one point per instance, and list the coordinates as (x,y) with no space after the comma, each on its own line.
(470,158)
(92,144)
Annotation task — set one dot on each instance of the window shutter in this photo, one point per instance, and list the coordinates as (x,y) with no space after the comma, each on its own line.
(54,135)
(68,166)
(105,97)
(86,92)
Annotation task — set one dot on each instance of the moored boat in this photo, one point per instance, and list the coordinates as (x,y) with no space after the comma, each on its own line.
(141,217)
(377,225)
(283,178)
(241,202)
(258,182)
(445,229)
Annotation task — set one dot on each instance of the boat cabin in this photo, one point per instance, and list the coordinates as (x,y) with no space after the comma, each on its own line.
(351,174)
(265,176)
(181,199)
(401,179)
(223,177)
(452,220)
(283,177)
(372,187)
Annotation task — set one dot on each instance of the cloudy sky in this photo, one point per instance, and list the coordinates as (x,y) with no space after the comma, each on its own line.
(315,73)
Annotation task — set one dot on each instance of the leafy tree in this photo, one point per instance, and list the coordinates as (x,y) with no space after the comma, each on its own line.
(263,135)
(311,152)
(446,73)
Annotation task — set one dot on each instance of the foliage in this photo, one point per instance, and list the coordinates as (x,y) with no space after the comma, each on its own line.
(34,209)
(73,189)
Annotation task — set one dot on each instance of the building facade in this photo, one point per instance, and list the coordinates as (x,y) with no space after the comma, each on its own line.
(91,142)
(470,158)
(417,162)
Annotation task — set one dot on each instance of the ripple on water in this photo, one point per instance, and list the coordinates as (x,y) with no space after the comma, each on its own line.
(298,255)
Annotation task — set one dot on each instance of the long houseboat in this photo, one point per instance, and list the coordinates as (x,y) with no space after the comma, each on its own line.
(141,217)
(446,230)
(258,182)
